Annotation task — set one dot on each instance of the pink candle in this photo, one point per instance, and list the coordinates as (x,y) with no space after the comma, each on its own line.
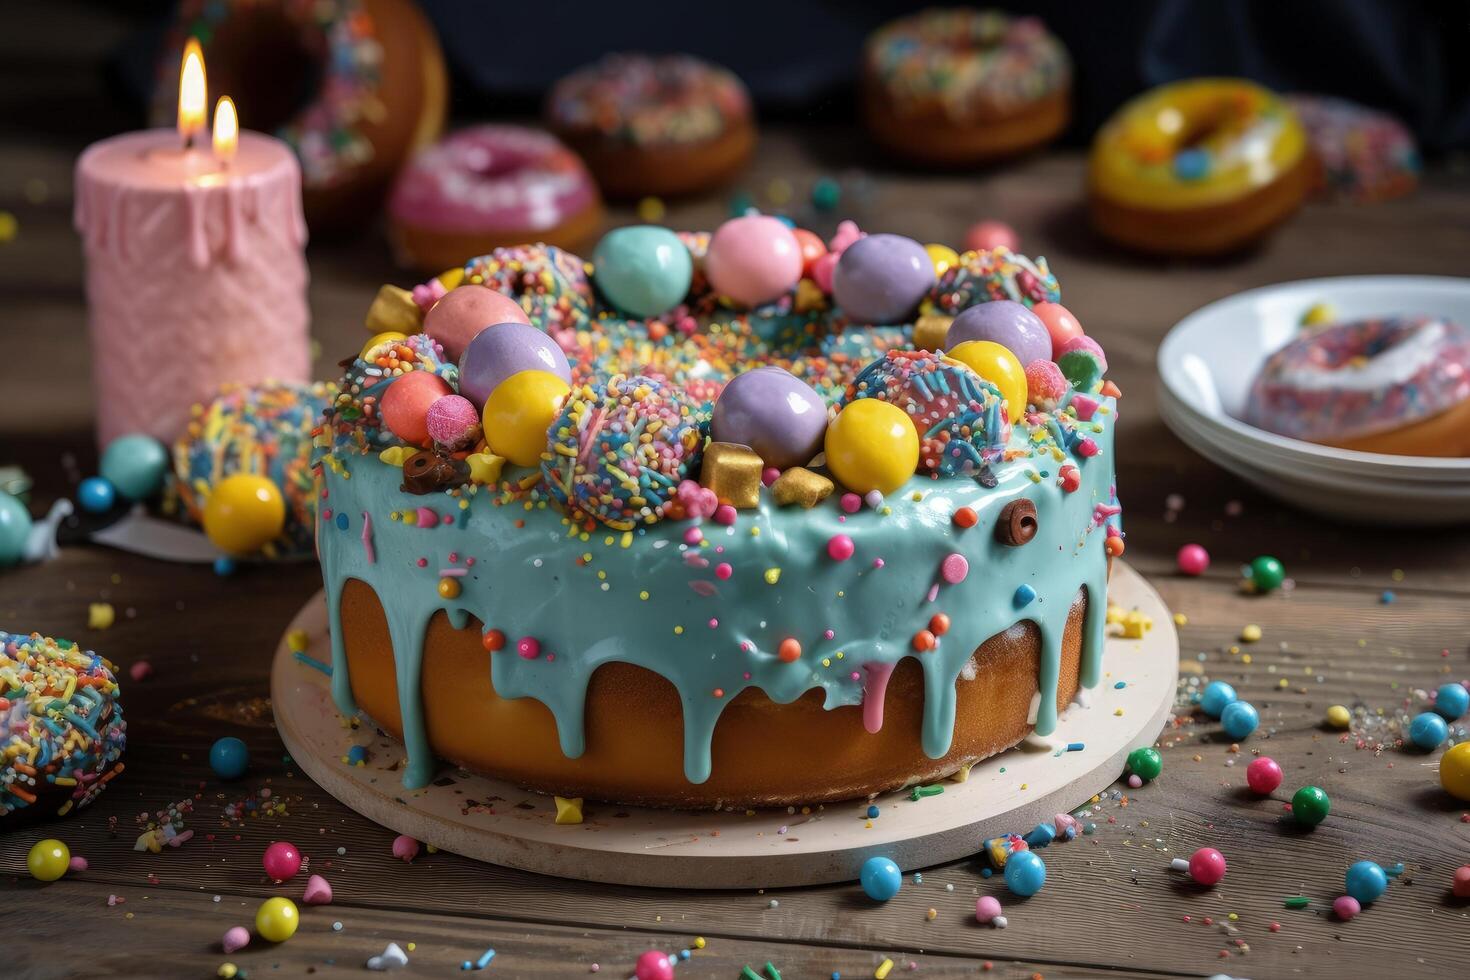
(195,274)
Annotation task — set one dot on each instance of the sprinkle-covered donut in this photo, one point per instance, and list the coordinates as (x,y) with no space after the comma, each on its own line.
(1396,385)
(1362,155)
(666,125)
(489,187)
(962,86)
(1198,167)
(62,732)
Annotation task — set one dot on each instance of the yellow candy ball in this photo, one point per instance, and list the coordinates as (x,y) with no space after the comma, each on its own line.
(1338,716)
(380,338)
(872,445)
(277,919)
(244,513)
(518,413)
(48,859)
(1454,771)
(996,364)
(943,257)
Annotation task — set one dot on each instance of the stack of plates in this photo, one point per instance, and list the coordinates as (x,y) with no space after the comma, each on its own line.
(1207,364)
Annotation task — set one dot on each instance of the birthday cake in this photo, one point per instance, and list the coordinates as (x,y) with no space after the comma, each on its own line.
(710,520)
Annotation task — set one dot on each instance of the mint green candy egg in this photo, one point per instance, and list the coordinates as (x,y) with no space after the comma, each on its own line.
(135,465)
(643,270)
(15,527)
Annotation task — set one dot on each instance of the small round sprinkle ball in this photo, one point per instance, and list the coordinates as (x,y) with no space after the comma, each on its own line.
(880,878)
(1310,805)
(243,513)
(229,758)
(276,919)
(1025,873)
(1266,573)
(47,860)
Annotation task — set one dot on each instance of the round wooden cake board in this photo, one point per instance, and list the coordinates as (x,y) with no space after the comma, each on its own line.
(495,821)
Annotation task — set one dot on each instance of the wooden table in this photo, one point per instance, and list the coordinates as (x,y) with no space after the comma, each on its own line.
(1111,903)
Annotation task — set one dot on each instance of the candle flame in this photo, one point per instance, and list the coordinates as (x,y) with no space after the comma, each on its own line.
(226,129)
(193,92)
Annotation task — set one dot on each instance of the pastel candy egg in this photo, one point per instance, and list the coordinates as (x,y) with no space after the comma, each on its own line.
(1006,323)
(882,278)
(134,465)
(405,405)
(773,412)
(15,528)
(243,514)
(991,234)
(453,422)
(753,259)
(1059,322)
(996,364)
(643,270)
(872,445)
(518,413)
(506,349)
(462,313)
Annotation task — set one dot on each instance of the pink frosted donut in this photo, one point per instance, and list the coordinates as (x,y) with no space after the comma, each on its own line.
(1396,384)
(486,187)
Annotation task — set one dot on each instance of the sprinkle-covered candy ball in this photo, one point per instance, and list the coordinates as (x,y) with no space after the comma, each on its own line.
(1263,775)
(773,412)
(1217,696)
(229,758)
(643,270)
(47,860)
(880,878)
(881,279)
(1239,719)
(753,259)
(1366,881)
(405,405)
(244,513)
(505,349)
(1004,322)
(462,313)
(998,365)
(1145,762)
(276,919)
(1454,771)
(872,445)
(1310,805)
(1025,873)
(518,413)
(1451,701)
(135,465)
(15,528)
(1428,730)
(453,422)
(1060,324)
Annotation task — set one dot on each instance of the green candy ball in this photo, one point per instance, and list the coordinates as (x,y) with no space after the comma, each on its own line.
(643,270)
(1267,573)
(826,194)
(135,465)
(1310,806)
(1145,763)
(15,527)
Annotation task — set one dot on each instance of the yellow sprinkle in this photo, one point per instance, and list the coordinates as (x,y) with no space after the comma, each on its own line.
(412,946)
(1118,713)
(962,773)
(699,942)
(297,640)
(882,972)
(1317,314)
(100,615)
(1180,619)
(773,575)
(9,227)
(568,810)
(932,914)
(1250,634)
(643,595)
(651,210)
(678,631)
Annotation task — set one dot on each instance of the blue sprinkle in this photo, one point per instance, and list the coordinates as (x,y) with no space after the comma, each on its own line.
(1075,746)
(1120,685)
(1025,595)
(1387,597)
(1191,164)
(683,954)
(341,520)
(986,872)
(356,754)
(224,566)
(311,661)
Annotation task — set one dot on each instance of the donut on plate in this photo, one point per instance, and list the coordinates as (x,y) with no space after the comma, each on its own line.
(959,87)
(1398,385)
(1200,167)
(62,732)
(354,86)
(486,187)
(1362,155)
(663,125)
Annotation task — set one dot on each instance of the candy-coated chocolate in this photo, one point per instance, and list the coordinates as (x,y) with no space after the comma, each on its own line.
(1239,719)
(996,364)
(96,495)
(753,259)
(1461,886)
(880,878)
(15,528)
(1428,730)
(1217,696)
(653,965)
(872,445)
(985,235)
(462,313)
(1454,771)
(1452,700)
(244,513)
(1193,559)
(229,758)
(518,413)
(1025,873)
(881,279)
(48,859)
(135,465)
(1366,881)
(1266,573)
(812,248)
(1060,324)
(1207,866)
(1004,322)
(773,412)
(643,270)
(1263,775)
(1346,908)
(276,919)
(505,349)
(943,257)
(281,860)
(987,907)
(1310,805)
(405,405)
(1146,762)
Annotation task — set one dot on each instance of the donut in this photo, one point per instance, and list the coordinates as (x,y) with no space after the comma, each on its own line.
(667,125)
(1398,385)
(1199,167)
(960,87)
(354,86)
(62,732)
(1362,155)
(487,187)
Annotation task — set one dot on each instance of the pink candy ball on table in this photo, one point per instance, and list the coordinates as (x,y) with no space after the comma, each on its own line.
(464,312)
(653,965)
(453,422)
(281,860)
(986,909)
(1347,908)
(405,405)
(991,234)
(236,937)
(405,848)
(1461,887)
(1263,775)
(1207,866)
(754,259)
(1193,559)
(1060,323)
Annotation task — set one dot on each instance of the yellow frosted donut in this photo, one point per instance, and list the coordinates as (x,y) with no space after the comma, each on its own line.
(1197,167)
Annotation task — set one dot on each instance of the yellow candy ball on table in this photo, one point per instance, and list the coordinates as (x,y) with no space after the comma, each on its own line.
(48,859)
(518,413)
(277,919)
(244,513)
(872,445)
(996,364)
(380,338)
(943,257)
(1454,771)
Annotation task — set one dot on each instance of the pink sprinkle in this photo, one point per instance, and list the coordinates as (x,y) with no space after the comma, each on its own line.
(840,547)
(987,907)
(367,539)
(1134,780)
(954,568)
(423,563)
(933,592)
(327,514)
(318,891)
(1347,907)
(693,536)
(453,572)
(855,675)
(454,558)
(141,670)
(878,562)
(723,571)
(769,475)
(470,562)
(746,675)
(236,937)
(447,519)
(1085,405)
(851,503)
(725,514)
(714,623)
(426,518)
(874,499)
(828,634)
(77,863)
(1193,559)
(1087,447)
(528,647)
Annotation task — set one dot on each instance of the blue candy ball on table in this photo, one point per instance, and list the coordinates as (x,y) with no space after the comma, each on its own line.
(1452,701)
(135,464)
(1366,881)
(1025,873)
(229,758)
(1428,730)
(643,270)
(1217,696)
(880,878)
(1239,719)
(96,495)
(15,528)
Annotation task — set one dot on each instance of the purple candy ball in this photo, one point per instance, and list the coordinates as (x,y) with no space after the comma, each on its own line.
(504,349)
(882,278)
(1006,323)
(773,412)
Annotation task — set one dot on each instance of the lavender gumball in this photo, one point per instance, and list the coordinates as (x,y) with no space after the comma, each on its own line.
(773,412)
(1006,323)
(881,279)
(504,349)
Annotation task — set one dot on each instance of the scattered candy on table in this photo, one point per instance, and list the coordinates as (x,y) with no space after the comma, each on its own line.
(1025,873)
(880,878)
(1206,866)
(654,965)
(1428,730)
(1239,719)
(1217,696)
(135,465)
(1310,806)
(1451,701)
(281,860)
(405,848)
(1338,716)
(229,758)
(1263,775)
(1193,559)
(1146,763)
(48,859)
(96,495)
(1366,881)
(243,513)
(276,919)
(1265,574)
(1454,771)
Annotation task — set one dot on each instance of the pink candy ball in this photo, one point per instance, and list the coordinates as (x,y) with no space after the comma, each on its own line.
(405,405)
(991,234)
(954,568)
(851,503)
(405,848)
(1045,384)
(1193,559)
(1060,323)
(1347,908)
(1461,886)
(823,269)
(1207,866)
(840,547)
(753,259)
(653,965)
(1263,775)
(281,860)
(453,422)
(464,312)
(986,909)
(236,937)
(528,647)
